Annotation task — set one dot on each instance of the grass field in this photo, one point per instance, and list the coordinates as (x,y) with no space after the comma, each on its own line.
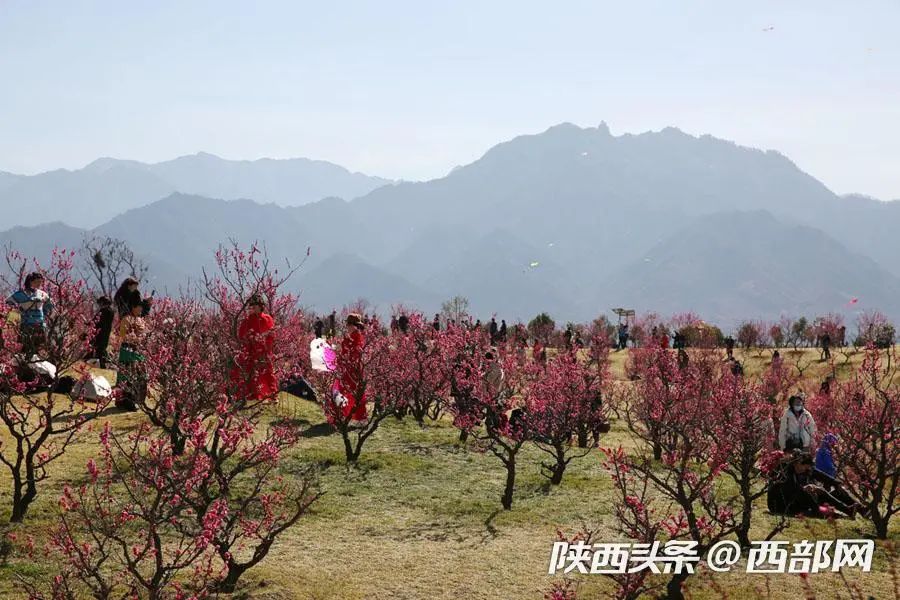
(420,517)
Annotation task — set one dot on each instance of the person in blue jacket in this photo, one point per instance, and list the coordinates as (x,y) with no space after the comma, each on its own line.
(35,307)
(824,457)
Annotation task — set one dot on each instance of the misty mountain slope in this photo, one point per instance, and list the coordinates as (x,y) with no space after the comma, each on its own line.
(287,182)
(9,179)
(186,230)
(342,278)
(40,240)
(621,193)
(587,206)
(495,273)
(82,198)
(748,264)
(107,187)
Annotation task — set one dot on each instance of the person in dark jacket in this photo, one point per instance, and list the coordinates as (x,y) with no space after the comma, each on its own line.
(128,295)
(729,347)
(436,324)
(493,330)
(103,324)
(800,489)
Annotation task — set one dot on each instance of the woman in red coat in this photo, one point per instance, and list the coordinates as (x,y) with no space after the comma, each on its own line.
(252,373)
(349,362)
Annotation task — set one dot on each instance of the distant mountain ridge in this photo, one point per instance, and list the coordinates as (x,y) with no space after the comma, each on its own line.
(564,221)
(107,187)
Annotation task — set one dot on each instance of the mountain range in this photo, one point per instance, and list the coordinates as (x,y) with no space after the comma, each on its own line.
(571,220)
(107,187)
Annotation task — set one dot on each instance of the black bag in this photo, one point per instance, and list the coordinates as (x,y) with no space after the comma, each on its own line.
(300,387)
(64,385)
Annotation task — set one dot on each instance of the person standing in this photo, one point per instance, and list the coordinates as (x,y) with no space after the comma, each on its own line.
(797,429)
(502,332)
(436,323)
(825,340)
(350,381)
(103,324)
(34,307)
(127,295)
(131,378)
(252,372)
(729,347)
(493,330)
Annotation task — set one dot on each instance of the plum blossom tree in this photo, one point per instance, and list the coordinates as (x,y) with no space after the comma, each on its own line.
(560,401)
(207,399)
(668,417)
(376,373)
(129,531)
(742,434)
(486,384)
(420,380)
(40,424)
(873,327)
(864,413)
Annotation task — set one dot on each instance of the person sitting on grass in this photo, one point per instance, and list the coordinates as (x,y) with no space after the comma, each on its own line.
(797,488)
(825,457)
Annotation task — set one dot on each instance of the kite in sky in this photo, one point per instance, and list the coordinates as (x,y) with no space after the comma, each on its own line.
(534,264)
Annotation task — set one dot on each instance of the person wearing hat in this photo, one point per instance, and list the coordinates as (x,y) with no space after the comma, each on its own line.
(34,307)
(824,456)
(797,429)
(253,373)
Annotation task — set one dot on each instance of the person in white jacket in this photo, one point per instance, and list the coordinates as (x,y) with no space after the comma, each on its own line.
(798,429)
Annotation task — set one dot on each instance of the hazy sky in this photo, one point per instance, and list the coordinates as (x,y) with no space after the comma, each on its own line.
(410,89)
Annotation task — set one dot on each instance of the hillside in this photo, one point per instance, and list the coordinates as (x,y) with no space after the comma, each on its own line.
(107,187)
(748,264)
(585,205)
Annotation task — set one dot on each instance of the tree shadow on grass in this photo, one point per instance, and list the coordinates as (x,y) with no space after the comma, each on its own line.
(314,431)
(490,532)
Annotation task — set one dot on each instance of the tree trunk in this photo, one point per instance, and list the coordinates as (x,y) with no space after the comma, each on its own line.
(510,483)
(881,526)
(18,510)
(582,436)
(560,467)
(229,583)
(351,454)
(463,435)
(674,587)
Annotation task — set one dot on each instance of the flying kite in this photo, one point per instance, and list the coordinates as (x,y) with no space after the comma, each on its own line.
(534,264)
(769,28)
(853,301)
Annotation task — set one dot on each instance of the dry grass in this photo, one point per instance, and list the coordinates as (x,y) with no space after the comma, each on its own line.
(420,518)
